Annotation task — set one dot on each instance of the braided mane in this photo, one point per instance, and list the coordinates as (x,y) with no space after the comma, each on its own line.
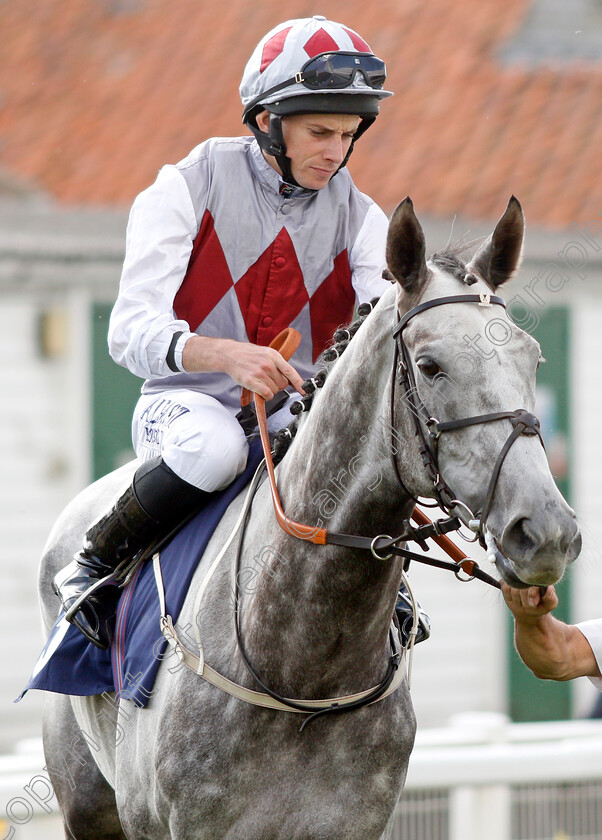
(341,338)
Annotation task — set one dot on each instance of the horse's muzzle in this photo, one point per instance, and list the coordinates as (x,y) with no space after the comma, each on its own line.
(531,555)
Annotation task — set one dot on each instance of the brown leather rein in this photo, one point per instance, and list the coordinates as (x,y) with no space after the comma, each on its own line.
(381,546)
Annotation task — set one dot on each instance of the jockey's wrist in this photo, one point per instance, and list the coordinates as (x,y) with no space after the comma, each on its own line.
(202,354)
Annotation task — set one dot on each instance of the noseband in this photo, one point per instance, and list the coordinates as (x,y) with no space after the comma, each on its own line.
(429,429)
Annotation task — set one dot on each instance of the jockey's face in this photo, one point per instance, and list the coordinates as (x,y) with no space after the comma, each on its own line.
(315,143)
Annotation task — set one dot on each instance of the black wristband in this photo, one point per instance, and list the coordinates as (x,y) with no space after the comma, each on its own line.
(170,358)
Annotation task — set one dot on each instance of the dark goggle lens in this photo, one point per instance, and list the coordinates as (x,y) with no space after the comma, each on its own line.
(338,71)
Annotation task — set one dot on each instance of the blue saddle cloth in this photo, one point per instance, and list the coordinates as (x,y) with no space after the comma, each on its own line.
(69,664)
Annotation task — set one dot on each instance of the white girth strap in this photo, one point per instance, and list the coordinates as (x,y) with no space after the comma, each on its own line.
(259,698)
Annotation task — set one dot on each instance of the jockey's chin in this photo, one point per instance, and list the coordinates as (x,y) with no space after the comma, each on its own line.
(315,177)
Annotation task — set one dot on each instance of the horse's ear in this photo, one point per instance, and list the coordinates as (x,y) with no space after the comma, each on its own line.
(406,250)
(499,257)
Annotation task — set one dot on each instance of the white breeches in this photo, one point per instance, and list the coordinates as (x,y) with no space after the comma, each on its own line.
(199,439)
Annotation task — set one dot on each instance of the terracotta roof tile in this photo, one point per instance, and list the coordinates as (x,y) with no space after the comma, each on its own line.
(94,98)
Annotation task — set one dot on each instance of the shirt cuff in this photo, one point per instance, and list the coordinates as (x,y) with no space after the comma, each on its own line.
(592,630)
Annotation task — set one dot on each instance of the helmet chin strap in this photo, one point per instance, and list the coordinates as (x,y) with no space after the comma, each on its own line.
(283,161)
(273,144)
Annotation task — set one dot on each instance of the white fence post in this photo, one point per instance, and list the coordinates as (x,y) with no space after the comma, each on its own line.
(476,813)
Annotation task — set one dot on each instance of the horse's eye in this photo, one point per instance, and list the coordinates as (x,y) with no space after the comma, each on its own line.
(429,368)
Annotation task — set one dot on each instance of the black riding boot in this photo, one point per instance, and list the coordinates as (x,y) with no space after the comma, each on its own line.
(153,505)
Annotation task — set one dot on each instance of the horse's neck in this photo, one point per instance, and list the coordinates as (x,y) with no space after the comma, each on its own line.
(341,468)
(333,604)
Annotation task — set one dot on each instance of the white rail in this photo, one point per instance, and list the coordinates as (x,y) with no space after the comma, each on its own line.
(28,807)
(482,749)
(493,773)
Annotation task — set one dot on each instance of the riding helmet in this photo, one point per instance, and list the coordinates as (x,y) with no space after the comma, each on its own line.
(306,66)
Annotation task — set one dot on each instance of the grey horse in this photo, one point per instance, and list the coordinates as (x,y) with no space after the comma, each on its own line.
(200,764)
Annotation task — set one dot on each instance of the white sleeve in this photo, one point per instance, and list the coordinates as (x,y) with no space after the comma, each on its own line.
(592,630)
(367,257)
(160,235)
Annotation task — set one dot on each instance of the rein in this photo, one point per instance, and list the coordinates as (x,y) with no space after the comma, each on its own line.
(287,342)
(328,706)
(267,699)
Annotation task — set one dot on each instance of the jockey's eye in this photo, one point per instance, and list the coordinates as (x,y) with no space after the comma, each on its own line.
(428,368)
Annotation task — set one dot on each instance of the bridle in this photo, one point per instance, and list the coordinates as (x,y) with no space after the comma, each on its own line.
(429,429)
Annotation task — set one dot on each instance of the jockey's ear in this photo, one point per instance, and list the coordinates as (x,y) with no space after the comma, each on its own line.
(406,250)
(499,257)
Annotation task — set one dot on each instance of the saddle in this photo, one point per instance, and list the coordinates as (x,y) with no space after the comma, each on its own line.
(69,664)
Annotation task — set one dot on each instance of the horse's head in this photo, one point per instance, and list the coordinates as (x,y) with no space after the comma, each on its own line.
(465,360)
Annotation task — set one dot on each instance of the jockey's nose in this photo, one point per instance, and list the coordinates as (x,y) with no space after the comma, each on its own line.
(335,150)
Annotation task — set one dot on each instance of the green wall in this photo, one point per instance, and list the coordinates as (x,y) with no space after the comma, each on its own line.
(531,699)
(114,394)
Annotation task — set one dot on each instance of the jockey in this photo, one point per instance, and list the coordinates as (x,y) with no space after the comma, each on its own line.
(244,237)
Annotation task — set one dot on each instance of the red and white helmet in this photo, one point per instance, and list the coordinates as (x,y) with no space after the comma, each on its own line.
(283,52)
(310,65)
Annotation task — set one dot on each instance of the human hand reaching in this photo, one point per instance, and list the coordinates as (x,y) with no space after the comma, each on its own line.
(529,604)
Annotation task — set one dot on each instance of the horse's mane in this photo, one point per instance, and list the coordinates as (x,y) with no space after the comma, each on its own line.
(340,341)
(450,262)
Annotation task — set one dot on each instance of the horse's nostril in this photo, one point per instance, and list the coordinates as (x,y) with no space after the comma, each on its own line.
(526,538)
(574,549)
(518,540)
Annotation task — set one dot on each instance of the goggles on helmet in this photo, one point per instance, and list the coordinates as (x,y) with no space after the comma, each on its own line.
(332,71)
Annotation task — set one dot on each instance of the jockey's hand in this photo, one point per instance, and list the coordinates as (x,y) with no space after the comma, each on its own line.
(529,604)
(260,369)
